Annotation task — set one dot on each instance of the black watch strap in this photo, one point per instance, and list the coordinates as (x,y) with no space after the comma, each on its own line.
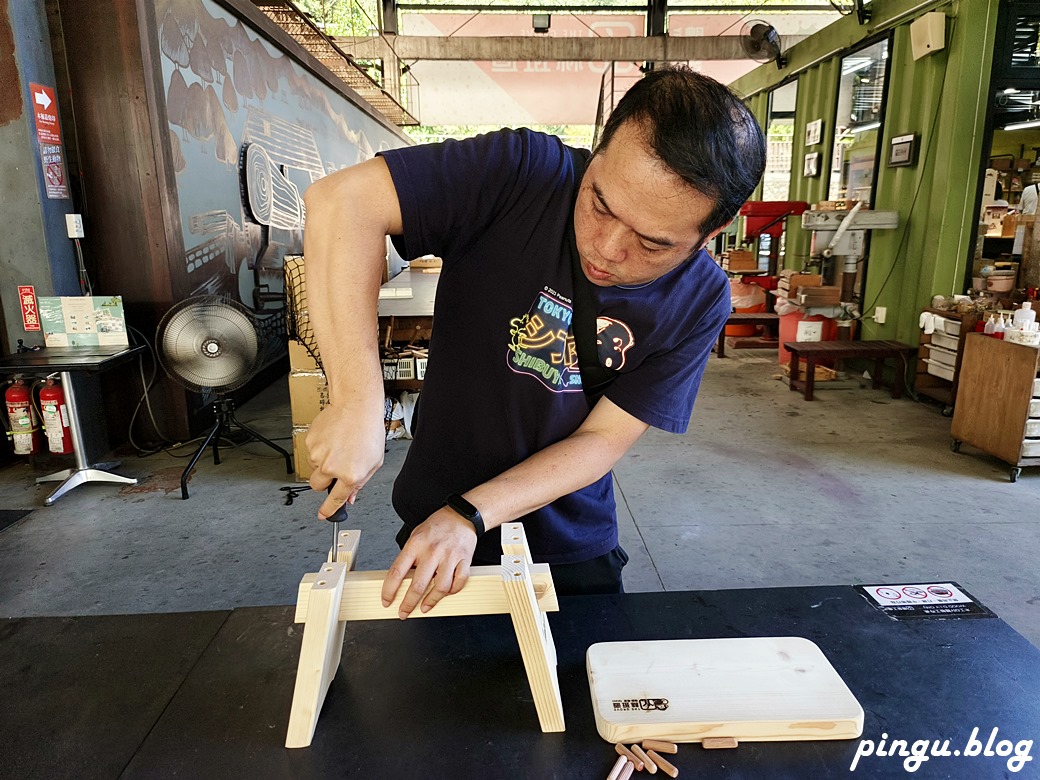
(467,510)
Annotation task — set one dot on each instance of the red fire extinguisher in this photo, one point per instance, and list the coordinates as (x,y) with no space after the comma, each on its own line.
(21,417)
(55,417)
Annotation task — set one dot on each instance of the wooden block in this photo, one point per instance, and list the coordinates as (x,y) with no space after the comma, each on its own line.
(319,655)
(514,541)
(346,548)
(760,689)
(529,623)
(718,743)
(483,595)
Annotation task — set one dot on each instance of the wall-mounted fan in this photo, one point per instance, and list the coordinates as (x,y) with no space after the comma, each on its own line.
(762,43)
(210,344)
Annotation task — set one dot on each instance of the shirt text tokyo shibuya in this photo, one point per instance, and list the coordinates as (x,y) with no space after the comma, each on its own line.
(917,752)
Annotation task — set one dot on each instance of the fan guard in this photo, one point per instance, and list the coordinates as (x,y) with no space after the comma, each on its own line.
(761,42)
(209,343)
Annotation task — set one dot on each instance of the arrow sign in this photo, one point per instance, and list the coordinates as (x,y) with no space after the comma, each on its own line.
(47,129)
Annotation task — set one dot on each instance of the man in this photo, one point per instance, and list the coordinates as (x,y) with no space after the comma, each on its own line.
(505,431)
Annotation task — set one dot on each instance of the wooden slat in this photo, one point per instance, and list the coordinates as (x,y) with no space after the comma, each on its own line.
(319,655)
(536,645)
(483,595)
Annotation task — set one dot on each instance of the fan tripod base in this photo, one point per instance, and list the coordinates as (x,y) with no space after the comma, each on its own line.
(224,411)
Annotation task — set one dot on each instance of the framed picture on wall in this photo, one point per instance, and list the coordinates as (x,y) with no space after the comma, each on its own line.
(813,132)
(811,167)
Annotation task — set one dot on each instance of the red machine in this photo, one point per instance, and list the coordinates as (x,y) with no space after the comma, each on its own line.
(769,217)
(55,418)
(21,417)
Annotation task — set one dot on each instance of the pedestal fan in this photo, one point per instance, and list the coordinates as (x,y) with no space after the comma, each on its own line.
(208,343)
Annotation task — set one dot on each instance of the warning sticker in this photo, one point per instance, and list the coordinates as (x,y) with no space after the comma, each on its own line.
(924,600)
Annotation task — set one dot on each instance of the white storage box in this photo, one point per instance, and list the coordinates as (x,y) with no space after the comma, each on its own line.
(420,368)
(1030,448)
(944,340)
(1036,388)
(939,369)
(1033,428)
(398,368)
(948,326)
(947,357)
(1034,407)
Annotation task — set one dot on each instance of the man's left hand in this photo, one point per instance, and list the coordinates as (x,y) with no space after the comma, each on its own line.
(440,549)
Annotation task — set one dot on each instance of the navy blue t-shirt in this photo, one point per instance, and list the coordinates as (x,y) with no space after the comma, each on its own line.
(502,381)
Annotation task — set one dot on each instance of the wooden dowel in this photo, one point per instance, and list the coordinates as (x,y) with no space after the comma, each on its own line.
(665,766)
(618,766)
(650,766)
(624,752)
(715,743)
(660,746)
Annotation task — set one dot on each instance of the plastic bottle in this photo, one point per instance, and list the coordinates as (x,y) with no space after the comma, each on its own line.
(1024,316)
(990,326)
(998,329)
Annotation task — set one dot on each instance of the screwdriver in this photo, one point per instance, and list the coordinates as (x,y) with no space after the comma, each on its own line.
(337,517)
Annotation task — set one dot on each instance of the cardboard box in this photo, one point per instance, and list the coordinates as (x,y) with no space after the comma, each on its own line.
(300,359)
(300,455)
(308,395)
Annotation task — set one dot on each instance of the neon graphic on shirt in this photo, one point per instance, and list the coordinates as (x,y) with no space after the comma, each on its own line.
(613,339)
(542,345)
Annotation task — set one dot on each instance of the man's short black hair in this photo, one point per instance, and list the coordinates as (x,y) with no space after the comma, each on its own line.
(701,131)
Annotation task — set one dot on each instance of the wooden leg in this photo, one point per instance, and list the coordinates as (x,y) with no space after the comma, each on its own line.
(810,376)
(532,628)
(879,369)
(319,654)
(897,380)
(720,350)
(793,384)
(536,642)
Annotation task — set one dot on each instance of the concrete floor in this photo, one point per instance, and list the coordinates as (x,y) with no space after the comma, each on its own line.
(765,490)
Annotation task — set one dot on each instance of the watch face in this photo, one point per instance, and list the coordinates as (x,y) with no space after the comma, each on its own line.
(462,506)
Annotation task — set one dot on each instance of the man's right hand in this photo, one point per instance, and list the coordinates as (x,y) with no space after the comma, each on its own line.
(346,445)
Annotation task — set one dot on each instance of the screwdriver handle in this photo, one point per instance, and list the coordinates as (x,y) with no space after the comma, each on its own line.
(340,515)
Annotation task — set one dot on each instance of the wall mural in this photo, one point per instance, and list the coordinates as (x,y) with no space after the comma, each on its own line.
(250,130)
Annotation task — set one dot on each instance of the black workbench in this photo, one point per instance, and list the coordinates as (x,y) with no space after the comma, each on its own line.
(208,694)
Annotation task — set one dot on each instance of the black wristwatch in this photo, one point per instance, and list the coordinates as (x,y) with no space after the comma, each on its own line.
(467,510)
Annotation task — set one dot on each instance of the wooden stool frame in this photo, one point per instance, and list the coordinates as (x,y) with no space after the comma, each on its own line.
(331,597)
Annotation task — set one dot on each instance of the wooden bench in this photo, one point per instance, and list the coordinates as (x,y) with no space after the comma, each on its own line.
(836,350)
(744,318)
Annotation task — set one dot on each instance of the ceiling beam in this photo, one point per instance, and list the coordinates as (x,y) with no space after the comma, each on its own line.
(662,48)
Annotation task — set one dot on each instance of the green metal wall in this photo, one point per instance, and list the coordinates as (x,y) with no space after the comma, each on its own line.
(942,97)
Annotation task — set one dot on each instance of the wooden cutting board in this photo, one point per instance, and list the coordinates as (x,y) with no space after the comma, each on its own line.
(683,690)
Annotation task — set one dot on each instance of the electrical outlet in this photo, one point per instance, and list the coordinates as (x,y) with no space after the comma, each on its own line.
(74,225)
(879,315)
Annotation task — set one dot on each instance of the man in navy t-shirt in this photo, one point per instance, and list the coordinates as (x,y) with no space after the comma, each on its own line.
(506,431)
